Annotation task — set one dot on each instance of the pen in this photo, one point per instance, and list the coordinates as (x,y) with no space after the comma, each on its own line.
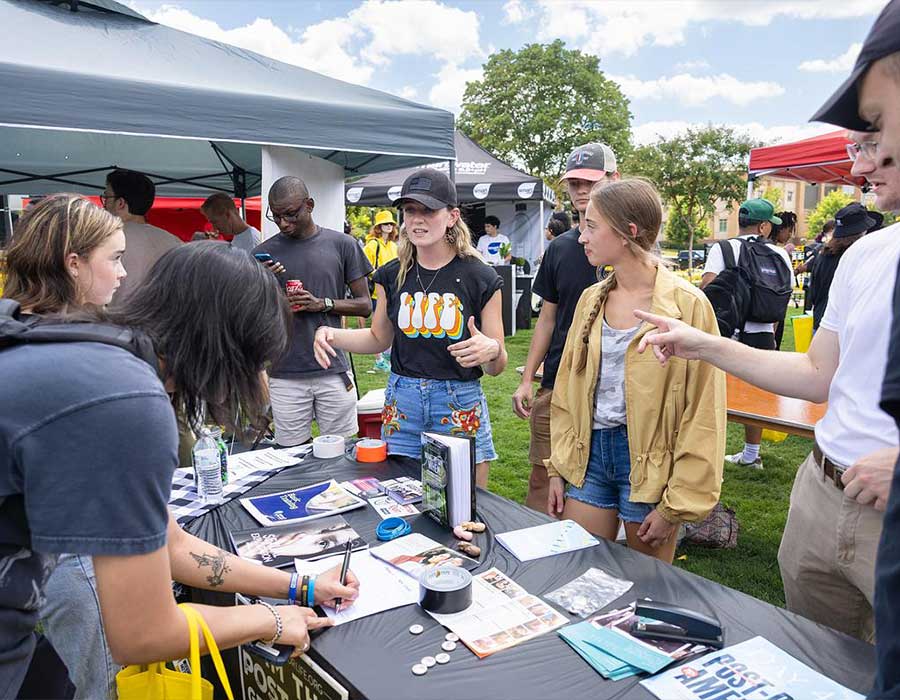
(344,568)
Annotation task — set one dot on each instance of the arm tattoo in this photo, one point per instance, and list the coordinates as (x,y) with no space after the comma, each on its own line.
(217,562)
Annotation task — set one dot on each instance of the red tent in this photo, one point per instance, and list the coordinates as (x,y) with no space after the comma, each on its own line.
(818,159)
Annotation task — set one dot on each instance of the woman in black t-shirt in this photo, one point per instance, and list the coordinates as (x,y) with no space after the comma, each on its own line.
(441,316)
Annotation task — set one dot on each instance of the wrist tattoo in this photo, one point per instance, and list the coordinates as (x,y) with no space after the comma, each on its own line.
(216,562)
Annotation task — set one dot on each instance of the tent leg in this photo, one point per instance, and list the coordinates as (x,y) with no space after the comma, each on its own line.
(244,208)
(750,181)
(541,210)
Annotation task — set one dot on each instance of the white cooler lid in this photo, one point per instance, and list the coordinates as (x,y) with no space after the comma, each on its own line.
(370,403)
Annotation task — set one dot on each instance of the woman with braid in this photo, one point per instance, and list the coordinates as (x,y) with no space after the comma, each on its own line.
(632,440)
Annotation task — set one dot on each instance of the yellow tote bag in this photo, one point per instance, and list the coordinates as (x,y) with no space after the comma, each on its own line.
(156,682)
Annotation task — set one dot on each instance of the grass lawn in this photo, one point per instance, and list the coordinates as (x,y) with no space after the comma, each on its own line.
(760,498)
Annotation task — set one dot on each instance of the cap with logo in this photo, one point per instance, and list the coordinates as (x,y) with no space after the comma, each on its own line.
(592,161)
(759,210)
(852,220)
(429,187)
(384,217)
(842,108)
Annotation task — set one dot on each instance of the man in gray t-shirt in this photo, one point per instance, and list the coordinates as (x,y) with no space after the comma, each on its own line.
(220,211)
(325,262)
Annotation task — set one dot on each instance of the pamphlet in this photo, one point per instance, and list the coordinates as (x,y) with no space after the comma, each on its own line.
(403,489)
(279,546)
(369,487)
(239,465)
(387,507)
(383,587)
(305,503)
(448,478)
(416,553)
(755,668)
(546,540)
(502,614)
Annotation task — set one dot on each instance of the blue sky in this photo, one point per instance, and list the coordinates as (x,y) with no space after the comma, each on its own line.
(762,66)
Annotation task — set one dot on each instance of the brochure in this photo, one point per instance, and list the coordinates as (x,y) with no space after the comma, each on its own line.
(279,546)
(546,540)
(755,668)
(403,489)
(387,507)
(369,487)
(298,505)
(502,615)
(416,553)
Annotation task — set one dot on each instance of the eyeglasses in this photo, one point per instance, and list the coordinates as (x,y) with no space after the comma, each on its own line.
(107,197)
(289,217)
(867,149)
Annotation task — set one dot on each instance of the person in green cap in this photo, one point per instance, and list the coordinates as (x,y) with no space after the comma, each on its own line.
(755,220)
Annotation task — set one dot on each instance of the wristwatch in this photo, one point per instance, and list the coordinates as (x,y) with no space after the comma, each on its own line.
(329,304)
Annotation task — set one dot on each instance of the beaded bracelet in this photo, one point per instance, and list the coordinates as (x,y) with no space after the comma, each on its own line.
(311,600)
(292,590)
(279,626)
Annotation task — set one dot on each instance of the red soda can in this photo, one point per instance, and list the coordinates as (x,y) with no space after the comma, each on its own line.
(292,286)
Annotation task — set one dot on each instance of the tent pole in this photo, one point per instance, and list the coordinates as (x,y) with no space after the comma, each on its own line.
(452,168)
(541,221)
(750,180)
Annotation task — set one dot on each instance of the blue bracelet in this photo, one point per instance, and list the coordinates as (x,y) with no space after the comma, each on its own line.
(392,528)
(311,598)
(292,591)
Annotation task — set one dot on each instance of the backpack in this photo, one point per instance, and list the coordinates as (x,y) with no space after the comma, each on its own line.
(729,294)
(719,530)
(17,331)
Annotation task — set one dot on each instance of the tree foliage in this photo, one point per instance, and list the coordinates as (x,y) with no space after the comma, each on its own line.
(692,171)
(827,207)
(678,233)
(773,194)
(360,219)
(535,105)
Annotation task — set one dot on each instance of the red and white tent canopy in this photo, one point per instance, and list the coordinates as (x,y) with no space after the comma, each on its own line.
(820,159)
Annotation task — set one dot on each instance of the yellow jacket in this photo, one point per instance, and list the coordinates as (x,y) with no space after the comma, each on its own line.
(378,252)
(675,414)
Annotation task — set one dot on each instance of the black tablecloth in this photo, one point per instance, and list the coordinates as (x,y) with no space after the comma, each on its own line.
(373,656)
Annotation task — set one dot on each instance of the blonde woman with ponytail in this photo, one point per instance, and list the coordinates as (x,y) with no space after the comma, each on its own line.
(439,312)
(632,440)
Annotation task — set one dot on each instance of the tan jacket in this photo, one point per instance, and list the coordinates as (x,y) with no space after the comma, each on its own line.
(675,414)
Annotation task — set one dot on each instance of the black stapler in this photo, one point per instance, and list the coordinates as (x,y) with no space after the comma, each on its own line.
(676,624)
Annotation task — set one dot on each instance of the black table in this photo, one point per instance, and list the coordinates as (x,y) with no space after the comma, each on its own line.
(372,657)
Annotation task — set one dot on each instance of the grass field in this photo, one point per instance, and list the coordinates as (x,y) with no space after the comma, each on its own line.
(760,498)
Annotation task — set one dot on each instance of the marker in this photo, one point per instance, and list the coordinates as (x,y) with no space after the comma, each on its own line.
(344,568)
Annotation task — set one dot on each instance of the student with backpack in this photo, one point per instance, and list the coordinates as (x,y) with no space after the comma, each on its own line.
(748,280)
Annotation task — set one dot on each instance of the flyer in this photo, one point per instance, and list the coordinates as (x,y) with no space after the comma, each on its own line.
(305,503)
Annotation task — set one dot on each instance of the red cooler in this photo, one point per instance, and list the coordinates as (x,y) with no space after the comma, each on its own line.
(368,414)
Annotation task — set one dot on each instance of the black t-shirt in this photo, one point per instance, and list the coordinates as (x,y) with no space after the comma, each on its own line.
(890,390)
(326,263)
(431,311)
(563,275)
(88,445)
(822,272)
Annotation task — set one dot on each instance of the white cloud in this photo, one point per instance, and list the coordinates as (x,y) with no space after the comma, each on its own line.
(451,84)
(623,26)
(693,91)
(407,92)
(839,64)
(687,66)
(515,12)
(769,135)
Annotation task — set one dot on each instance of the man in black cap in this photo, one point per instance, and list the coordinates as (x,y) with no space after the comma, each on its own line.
(564,274)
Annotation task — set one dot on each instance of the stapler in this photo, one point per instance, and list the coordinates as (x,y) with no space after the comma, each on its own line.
(676,624)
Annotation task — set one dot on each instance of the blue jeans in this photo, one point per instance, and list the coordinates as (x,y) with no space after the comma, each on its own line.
(72,622)
(607,481)
(413,406)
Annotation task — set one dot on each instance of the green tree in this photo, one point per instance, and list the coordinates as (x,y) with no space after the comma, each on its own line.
(773,194)
(828,206)
(360,219)
(694,170)
(678,233)
(535,105)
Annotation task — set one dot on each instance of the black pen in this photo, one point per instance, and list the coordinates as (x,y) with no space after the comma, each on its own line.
(345,567)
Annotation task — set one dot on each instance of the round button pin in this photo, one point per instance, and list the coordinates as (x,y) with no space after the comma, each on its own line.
(428,661)
(416,629)
(419,670)
(450,637)
(442,658)
(448,646)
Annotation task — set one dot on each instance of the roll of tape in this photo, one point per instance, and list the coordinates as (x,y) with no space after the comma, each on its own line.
(445,590)
(369,450)
(327,446)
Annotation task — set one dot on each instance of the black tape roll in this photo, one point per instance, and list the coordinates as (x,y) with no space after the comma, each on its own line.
(445,590)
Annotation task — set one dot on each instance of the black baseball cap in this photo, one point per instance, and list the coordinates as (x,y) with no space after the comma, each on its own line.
(842,108)
(852,220)
(429,187)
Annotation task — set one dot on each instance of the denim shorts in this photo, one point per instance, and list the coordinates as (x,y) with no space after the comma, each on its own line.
(606,483)
(413,406)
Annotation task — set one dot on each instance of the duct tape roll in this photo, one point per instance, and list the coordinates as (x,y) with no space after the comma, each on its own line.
(369,450)
(445,590)
(327,446)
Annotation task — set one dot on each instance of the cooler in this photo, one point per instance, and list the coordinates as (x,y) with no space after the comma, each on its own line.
(368,414)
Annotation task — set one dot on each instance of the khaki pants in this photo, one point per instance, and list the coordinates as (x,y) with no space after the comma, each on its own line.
(827,554)
(297,402)
(538,482)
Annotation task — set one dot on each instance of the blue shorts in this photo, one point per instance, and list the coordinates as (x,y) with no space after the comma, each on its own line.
(606,483)
(413,406)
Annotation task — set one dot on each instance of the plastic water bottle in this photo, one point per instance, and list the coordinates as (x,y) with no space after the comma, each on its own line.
(208,469)
(215,433)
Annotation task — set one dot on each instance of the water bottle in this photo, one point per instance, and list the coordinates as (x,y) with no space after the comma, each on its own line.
(215,433)
(208,469)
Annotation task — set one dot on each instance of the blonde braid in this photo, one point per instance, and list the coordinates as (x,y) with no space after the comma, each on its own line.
(605,287)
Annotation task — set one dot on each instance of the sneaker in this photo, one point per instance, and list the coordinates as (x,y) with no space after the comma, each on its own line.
(382,365)
(738,459)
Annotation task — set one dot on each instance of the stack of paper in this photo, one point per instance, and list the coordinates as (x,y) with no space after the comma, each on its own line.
(546,540)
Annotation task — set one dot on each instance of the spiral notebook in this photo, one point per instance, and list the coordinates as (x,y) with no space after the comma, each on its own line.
(546,540)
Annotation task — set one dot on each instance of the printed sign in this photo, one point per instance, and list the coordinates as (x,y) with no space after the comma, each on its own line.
(354,193)
(526,190)
(481,190)
(394,192)
(299,679)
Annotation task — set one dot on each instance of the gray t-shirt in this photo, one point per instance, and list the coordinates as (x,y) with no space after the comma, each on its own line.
(609,394)
(326,263)
(247,239)
(88,445)
(144,245)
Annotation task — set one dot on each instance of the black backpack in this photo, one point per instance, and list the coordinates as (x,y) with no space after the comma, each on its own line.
(757,288)
(15,330)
